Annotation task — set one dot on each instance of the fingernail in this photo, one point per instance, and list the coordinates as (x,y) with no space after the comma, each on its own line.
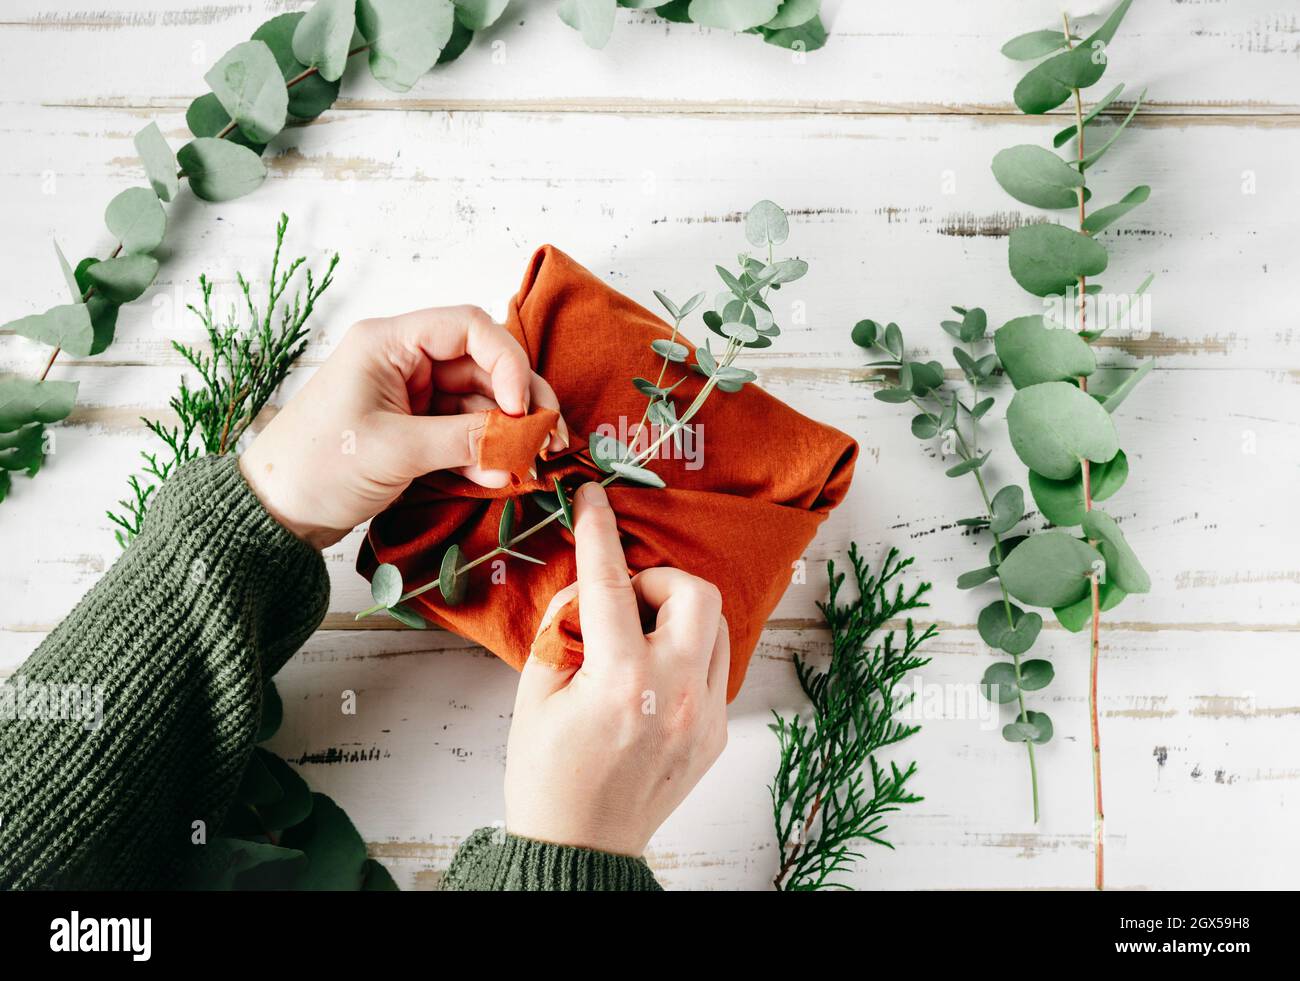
(593,495)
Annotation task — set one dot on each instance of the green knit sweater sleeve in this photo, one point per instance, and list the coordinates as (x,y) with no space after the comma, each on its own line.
(172,646)
(493,860)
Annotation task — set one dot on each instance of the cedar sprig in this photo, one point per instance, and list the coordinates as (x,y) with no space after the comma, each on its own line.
(246,361)
(823,806)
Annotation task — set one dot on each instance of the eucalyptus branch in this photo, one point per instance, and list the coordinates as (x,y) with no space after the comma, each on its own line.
(822,806)
(742,317)
(1059,428)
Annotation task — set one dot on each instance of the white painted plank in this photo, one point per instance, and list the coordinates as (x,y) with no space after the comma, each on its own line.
(936,56)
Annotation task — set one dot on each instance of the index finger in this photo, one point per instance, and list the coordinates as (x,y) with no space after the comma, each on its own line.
(447,333)
(607,607)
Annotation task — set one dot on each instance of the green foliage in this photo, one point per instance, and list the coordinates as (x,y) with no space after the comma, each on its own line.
(248,84)
(219,170)
(322,37)
(245,363)
(405,37)
(823,807)
(1059,429)
(793,24)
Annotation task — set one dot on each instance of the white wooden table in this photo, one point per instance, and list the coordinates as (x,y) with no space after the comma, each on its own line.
(637,160)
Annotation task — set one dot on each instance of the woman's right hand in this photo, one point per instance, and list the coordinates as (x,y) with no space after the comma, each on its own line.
(598,757)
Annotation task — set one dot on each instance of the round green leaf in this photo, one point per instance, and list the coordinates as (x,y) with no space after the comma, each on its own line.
(219,170)
(766,224)
(479,15)
(295,802)
(733,15)
(1037,176)
(793,13)
(1049,569)
(403,614)
(67,326)
(1122,564)
(336,855)
(1062,501)
(123,279)
(324,34)
(1054,426)
(1036,674)
(26,400)
(313,94)
(865,333)
(925,426)
(671,349)
(1014,637)
(451,583)
(248,84)
(205,117)
(1032,352)
(1078,614)
(999,683)
(272,713)
(808,36)
(741,332)
(1049,259)
(137,220)
(405,37)
(1008,509)
(1032,727)
(594,19)
(159,161)
(606,451)
(386,585)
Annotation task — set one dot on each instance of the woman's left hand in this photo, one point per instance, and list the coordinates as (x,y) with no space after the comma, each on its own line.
(398,398)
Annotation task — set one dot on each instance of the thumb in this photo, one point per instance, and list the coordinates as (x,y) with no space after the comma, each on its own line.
(417,445)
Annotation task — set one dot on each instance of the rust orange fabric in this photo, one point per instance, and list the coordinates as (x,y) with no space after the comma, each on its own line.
(769,476)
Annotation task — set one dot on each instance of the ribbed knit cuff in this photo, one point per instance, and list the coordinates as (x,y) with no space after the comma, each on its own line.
(492,860)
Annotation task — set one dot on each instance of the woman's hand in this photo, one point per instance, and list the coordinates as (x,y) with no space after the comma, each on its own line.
(599,757)
(398,398)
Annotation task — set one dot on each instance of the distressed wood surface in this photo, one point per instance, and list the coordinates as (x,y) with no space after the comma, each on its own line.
(639,161)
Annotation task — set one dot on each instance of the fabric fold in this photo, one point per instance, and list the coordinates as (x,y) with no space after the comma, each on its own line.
(747,489)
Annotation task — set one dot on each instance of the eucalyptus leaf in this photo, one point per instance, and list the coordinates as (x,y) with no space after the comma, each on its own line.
(1122,564)
(893,395)
(1008,508)
(137,220)
(1092,156)
(741,332)
(405,615)
(248,84)
(67,326)
(733,15)
(1034,44)
(793,13)
(219,170)
(312,94)
(637,474)
(1054,426)
(1015,634)
(479,15)
(405,37)
(1032,727)
(23,449)
(1051,82)
(606,451)
(1036,674)
(865,332)
(26,400)
(205,117)
(976,577)
(1048,259)
(1114,399)
(1063,137)
(671,350)
(295,803)
(566,509)
(1104,217)
(322,38)
(1032,352)
(808,36)
(1037,177)
(967,466)
(386,585)
(1049,569)
(999,683)
(1062,501)
(925,426)
(593,18)
(123,279)
(159,161)
(506,527)
(894,340)
(1078,615)
(451,583)
(376,878)
(336,854)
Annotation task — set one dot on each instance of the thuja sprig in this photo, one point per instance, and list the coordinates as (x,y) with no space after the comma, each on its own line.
(741,316)
(822,805)
(290,70)
(1059,427)
(246,361)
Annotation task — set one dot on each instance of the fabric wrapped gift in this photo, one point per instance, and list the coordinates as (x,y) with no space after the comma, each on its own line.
(745,495)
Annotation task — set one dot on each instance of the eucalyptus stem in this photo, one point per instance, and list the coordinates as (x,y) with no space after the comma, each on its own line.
(1094,657)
